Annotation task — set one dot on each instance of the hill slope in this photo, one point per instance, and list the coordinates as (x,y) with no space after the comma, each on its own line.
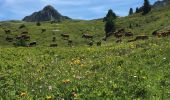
(157,19)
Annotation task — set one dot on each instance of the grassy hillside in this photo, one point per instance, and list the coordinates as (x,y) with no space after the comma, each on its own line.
(123,71)
(158,18)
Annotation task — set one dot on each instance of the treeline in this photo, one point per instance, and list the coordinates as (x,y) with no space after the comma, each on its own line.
(145,9)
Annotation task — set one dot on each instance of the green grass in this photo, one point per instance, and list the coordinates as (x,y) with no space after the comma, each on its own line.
(123,71)
(127,71)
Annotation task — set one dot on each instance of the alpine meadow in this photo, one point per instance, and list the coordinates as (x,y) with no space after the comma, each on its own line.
(50,56)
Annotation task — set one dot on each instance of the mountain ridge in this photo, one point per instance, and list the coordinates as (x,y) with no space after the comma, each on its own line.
(48,13)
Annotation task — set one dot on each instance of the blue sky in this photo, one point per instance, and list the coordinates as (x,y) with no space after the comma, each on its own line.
(76,9)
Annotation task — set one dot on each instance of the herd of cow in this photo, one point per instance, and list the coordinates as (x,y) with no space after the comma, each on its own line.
(118,35)
(23,36)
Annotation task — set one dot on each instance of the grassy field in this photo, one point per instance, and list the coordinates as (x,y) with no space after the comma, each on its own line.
(121,71)
(137,70)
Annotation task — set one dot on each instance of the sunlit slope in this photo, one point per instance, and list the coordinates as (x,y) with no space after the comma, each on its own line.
(157,19)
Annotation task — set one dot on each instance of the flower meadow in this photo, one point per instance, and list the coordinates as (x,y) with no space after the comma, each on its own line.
(138,70)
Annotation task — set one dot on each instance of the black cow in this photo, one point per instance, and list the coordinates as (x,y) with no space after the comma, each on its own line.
(22,26)
(53,45)
(99,43)
(43,30)
(25,32)
(34,43)
(9,39)
(70,42)
(90,43)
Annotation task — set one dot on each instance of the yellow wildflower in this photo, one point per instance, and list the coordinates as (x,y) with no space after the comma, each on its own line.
(66,81)
(23,94)
(49,97)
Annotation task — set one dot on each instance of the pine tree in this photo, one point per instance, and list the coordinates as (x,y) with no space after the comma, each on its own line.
(146,7)
(137,10)
(109,15)
(131,11)
(109,26)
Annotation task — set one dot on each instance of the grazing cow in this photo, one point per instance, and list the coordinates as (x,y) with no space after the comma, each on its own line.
(118,35)
(163,34)
(22,26)
(34,43)
(54,39)
(121,30)
(24,32)
(23,36)
(7,31)
(118,41)
(99,43)
(128,34)
(90,43)
(109,34)
(87,36)
(142,37)
(38,24)
(9,39)
(131,40)
(70,42)
(65,35)
(155,33)
(104,38)
(53,45)
(43,30)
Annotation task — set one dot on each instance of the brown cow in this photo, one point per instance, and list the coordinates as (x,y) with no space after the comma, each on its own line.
(131,40)
(118,41)
(128,34)
(155,33)
(65,35)
(118,35)
(23,36)
(121,30)
(7,31)
(87,36)
(141,38)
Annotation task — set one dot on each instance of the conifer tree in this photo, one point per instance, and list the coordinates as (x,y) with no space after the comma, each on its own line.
(131,11)
(146,7)
(109,15)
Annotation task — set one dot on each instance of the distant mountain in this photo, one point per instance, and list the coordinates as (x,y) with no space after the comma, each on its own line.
(47,14)
(161,3)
